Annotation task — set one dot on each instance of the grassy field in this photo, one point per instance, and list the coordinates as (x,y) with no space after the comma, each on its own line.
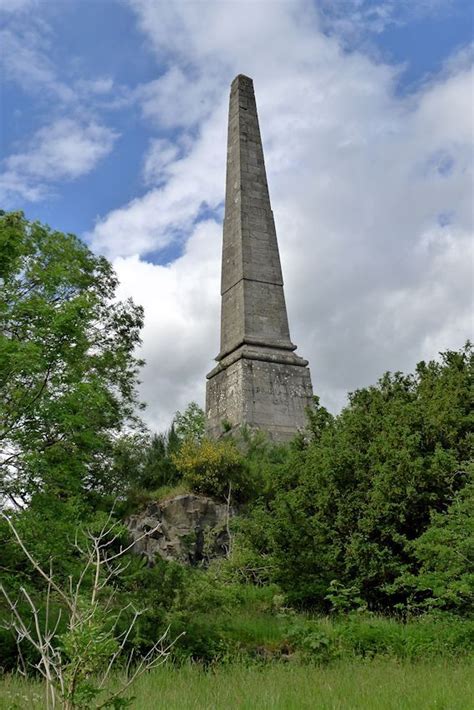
(381,684)
(257,661)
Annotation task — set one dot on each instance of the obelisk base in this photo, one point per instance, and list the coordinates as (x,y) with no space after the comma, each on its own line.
(271,395)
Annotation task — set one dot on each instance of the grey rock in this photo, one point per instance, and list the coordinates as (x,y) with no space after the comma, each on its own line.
(190,529)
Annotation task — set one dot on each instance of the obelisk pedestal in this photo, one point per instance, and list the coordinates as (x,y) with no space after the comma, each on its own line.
(259,381)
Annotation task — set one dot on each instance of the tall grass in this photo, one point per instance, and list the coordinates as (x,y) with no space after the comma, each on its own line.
(226,636)
(256,659)
(381,684)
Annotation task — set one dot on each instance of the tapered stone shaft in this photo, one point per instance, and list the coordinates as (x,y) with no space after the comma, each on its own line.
(259,381)
(253,303)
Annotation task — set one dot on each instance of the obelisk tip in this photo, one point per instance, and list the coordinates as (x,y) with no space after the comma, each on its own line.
(242,80)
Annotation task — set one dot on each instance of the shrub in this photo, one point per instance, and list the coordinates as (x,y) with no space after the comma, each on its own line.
(76,658)
(445,552)
(213,468)
(314,643)
(322,640)
(365,499)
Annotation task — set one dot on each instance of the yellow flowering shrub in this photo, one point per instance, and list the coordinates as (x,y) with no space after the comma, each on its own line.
(209,467)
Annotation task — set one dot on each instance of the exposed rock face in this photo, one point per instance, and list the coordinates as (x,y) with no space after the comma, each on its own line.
(190,529)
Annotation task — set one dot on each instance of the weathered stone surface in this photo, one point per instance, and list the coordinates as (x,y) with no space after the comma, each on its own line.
(259,381)
(252,282)
(264,394)
(189,528)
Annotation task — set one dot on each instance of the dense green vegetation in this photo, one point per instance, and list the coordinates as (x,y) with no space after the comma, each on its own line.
(353,501)
(67,370)
(354,542)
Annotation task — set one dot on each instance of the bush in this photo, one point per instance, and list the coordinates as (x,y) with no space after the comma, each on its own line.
(313,642)
(446,555)
(76,659)
(214,468)
(323,640)
(363,499)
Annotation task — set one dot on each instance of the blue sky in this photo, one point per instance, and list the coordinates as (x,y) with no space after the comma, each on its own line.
(87,39)
(113,127)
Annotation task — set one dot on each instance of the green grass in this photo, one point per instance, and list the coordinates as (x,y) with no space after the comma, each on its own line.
(381,684)
(231,635)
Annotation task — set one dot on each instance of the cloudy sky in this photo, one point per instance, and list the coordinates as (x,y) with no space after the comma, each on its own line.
(114,128)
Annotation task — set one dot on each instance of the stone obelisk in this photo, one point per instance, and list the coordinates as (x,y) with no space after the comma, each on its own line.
(259,381)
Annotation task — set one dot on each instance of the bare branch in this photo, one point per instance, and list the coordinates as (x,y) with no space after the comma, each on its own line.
(124,550)
(63,676)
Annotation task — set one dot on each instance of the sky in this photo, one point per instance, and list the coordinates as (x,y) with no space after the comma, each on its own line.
(113,127)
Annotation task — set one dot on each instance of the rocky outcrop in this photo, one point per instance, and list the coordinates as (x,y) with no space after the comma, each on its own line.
(189,528)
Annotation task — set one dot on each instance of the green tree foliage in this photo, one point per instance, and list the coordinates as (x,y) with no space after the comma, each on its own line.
(190,424)
(352,501)
(159,468)
(143,462)
(68,373)
(445,553)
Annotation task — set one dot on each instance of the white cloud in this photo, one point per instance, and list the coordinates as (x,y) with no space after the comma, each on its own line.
(161,154)
(371,194)
(13,6)
(357,19)
(181,316)
(24,59)
(28,43)
(74,139)
(164,213)
(177,99)
(64,150)
(98,86)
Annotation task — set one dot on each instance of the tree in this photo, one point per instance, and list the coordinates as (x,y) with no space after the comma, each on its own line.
(143,462)
(159,468)
(445,553)
(190,424)
(68,372)
(351,503)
